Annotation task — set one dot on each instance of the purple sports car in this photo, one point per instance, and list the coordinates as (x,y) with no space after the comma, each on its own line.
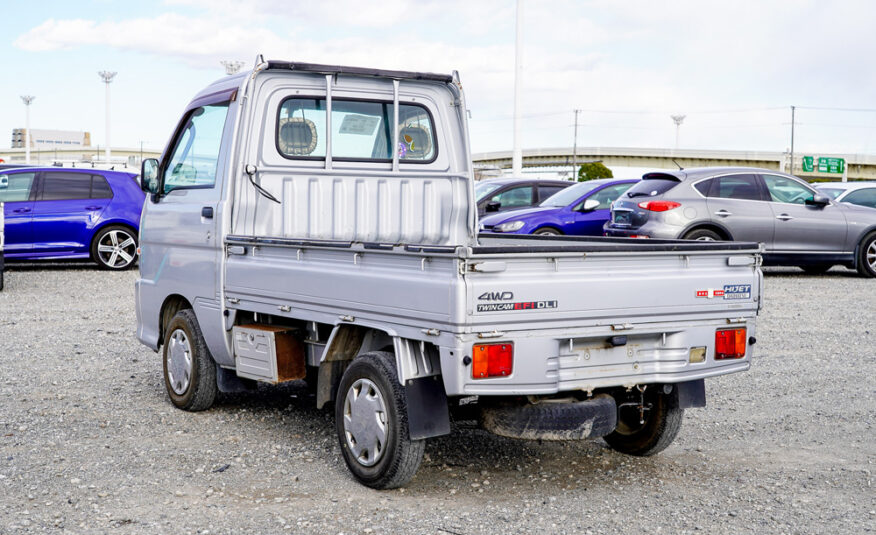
(54,213)
(579,210)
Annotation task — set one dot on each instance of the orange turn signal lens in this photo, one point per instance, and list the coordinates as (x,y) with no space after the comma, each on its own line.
(729,344)
(492,360)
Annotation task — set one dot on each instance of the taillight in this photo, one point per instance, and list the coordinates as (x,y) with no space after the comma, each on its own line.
(729,344)
(492,360)
(658,206)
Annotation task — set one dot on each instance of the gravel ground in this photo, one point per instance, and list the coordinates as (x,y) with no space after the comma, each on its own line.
(89,442)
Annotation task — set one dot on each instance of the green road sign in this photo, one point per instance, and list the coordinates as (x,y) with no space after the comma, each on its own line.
(831,165)
(824,165)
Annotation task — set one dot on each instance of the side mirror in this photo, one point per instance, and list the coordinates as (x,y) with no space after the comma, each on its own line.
(589,205)
(818,200)
(149,176)
(492,206)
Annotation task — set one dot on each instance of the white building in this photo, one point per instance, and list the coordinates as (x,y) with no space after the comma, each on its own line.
(50,139)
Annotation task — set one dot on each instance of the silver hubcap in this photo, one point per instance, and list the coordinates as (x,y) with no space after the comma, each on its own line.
(365,422)
(705,238)
(117,248)
(179,362)
(871,255)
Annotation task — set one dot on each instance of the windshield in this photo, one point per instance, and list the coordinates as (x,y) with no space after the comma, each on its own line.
(482,189)
(570,194)
(833,193)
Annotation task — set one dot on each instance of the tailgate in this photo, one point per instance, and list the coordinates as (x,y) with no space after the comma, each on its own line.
(605,288)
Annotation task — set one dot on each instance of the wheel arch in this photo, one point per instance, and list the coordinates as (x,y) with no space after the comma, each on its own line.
(718,228)
(169,308)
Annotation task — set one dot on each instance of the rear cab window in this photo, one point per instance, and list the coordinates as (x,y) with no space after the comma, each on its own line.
(360,131)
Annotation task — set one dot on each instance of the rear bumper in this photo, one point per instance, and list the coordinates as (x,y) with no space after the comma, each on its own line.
(649,230)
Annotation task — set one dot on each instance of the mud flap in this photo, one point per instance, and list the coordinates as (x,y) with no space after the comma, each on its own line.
(228,381)
(688,395)
(428,413)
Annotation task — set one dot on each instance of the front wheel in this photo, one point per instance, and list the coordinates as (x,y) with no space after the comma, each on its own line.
(661,425)
(371,420)
(547,231)
(189,370)
(114,248)
(867,256)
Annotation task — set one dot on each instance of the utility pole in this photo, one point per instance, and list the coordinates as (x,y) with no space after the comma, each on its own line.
(575,149)
(517,155)
(791,170)
(678,119)
(231,67)
(107,77)
(27,99)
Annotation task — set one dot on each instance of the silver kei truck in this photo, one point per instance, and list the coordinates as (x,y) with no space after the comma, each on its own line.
(318,222)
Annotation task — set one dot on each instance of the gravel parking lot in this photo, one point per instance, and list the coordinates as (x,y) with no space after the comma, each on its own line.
(89,442)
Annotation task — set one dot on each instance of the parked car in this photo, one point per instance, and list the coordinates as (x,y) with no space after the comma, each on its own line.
(797,225)
(57,213)
(580,210)
(860,193)
(2,240)
(504,194)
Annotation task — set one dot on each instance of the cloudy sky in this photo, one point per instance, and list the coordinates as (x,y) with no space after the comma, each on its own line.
(733,68)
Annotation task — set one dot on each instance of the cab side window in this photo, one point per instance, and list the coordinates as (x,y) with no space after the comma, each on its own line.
(15,187)
(195,157)
(787,190)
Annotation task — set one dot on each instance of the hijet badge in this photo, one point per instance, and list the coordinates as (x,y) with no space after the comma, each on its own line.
(730,291)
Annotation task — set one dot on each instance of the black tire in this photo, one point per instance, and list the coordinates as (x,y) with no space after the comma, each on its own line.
(1,280)
(662,423)
(114,248)
(817,269)
(867,256)
(199,392)
(702,234)
(547,231)
(397,459)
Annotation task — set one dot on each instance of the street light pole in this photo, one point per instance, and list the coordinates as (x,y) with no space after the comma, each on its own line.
(27,99)
(678,119)
(791,170)
(107,77)
(517,155)
(231,67)
(575,148)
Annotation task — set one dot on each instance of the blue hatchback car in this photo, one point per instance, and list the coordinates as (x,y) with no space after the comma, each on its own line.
(579,210)
(57,213)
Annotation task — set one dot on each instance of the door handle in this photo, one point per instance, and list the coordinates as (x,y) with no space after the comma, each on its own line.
(21,210)
(93,207)
(207,212)
(785,217)
(723,213)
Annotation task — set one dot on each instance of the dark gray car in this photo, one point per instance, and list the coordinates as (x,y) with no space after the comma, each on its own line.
(797,225)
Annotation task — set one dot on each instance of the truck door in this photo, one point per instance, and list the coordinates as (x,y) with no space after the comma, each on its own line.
(180,237)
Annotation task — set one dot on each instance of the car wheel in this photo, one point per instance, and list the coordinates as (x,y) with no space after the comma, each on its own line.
(547,232)
(702,234)
(660,427)
(867,256)
(818,269)
(115,248)
(371,420)
(189,369)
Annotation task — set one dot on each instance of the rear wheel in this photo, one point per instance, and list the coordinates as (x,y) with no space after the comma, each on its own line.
(648,432)
(371,420)
(114,248)
(867,256)
(547,232)
(702,234)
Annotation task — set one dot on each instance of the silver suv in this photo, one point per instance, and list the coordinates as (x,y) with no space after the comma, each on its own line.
(797,225)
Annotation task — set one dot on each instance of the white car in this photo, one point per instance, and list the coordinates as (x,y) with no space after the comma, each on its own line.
(860,193)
